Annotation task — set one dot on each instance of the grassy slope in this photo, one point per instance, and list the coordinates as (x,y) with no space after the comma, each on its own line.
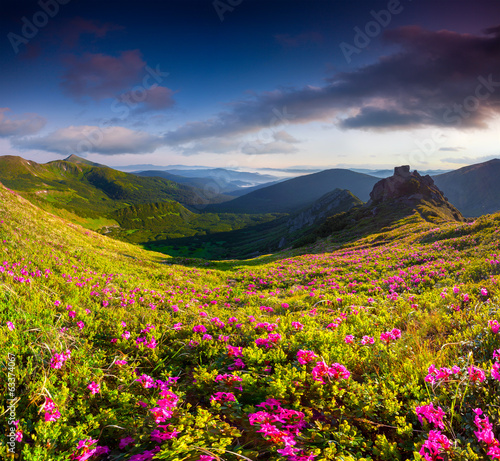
(400,278)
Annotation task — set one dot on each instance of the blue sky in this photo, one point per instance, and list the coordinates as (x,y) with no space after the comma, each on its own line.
(250,83)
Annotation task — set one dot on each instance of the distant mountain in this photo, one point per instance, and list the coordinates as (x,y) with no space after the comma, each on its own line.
(475,189)
(291,195)
(92,191)
(264,238)
(219,181)
(388,172)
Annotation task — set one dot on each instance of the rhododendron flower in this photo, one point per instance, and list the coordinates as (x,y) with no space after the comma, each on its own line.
(206,458)
(494,325)
(476,374)
(434,446)
(58,360)
(125,441)
(367,340)
(80,325)
(432,415)
(146,381)
(349,339)
(335,371)
(121,362)
(238,364)
(304,356)
(94,387)
(126,335)
(297,325)
(51,411)
(10,326)
(199,329)
(484,292)
(495,371)
(444,373)
(389,336)
(223,397)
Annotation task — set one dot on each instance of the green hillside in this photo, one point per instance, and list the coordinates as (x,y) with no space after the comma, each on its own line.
(384,348)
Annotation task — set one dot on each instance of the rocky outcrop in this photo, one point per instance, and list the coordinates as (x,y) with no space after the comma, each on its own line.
(411,189)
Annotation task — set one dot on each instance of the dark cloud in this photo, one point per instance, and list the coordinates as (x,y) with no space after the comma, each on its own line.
(441,78)
(75,28)
(151,99)
(24,125)
(372,117)
(101,76)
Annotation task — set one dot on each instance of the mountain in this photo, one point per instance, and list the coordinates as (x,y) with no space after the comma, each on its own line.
(475,189)
(220,181)
(251,241)
(393,199)
(82,161)
(293,194)
(91,191)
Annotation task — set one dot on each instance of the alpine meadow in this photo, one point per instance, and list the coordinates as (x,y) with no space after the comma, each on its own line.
(250,230)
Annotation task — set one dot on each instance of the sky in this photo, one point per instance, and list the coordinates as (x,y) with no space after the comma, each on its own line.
(252,84)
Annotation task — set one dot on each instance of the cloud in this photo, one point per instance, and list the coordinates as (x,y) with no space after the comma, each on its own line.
(451,149)
(112,140)
(20,126)
(151,99)
(101,76)
(285,137)
(294,41)
(469,160)
(441,78)
(72,30)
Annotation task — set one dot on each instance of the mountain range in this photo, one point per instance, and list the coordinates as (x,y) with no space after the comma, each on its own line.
(199,214)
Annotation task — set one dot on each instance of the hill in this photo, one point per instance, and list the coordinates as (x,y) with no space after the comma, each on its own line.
(261,238)
(291,195)
(475,189)
(384,348)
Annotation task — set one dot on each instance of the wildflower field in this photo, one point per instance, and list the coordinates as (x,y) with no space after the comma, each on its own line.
(385,348)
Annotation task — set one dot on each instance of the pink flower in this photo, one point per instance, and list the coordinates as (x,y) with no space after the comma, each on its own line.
(484,292)
(432,415)
(335,371)
(94,387)
(121,362)
(304,356)
(126,335)
(476,374)
(297,325)
(58,360)
(80,325)
(199,329)
(494,325)
(223,397)
(10,326)
(434,446)
(125,441)
(51,412)
(349,339)
(367,340)
(495,371)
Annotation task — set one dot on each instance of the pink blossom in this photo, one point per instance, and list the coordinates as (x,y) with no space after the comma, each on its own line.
(434,446)
(432,415)
(10,326)
(304,356)
(494,325)
(349,339)
(476,374)
(94,387)
(367,340)
(125,441)
(199,329)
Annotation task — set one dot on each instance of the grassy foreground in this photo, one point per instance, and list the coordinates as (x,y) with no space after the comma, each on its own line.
(383,349)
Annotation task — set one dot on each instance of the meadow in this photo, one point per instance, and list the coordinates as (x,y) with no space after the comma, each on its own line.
(386,347)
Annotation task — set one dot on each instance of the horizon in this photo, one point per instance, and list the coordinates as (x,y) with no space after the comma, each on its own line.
(252,84)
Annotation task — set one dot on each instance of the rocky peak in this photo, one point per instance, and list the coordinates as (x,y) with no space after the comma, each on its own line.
(405,185)
(411,189)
